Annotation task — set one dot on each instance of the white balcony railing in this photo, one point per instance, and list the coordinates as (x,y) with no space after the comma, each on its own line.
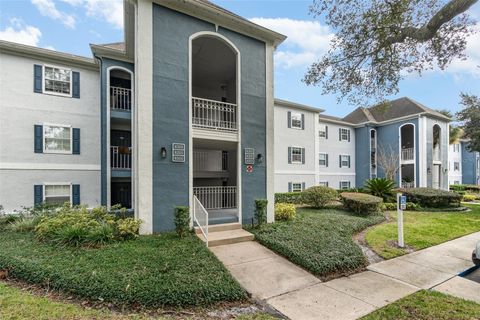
(407,185)
(214,115)
(217,197)
(436,154)
(200,218)
(120,157)
(407,154)
(120,99)
(373,144)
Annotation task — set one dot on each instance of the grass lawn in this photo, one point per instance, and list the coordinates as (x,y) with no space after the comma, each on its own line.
(18,304)
(422,230)
(152,271)
(427,305)
(318,240)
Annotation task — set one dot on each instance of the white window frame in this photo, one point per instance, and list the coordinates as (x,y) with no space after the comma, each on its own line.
(322,134)
(301,155)
(348,160)
(342,133)
(319,159)
(297,183)
(45,184)
(55,151)
(456,147)
(291,120)
(323,183)
(57,93)
(455,168)
(345,188)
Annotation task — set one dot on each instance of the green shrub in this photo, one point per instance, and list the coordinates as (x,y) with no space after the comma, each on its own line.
(128,228)
(465,187)
(380,187)
(392,206)
(469,197)
(22,224)
(285,211)
(354,190)
(361,203)
(79,226)
(432,198)
(289,197)
(182,220)
(261,211)
(319,196)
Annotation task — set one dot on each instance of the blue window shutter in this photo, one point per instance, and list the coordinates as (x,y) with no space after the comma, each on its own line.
(37,78)
(326,160)
(348,135)
(76,141)
(289,119)
(327,183)
(326,132)
(75,84)
(75,194)
(289,154)
(289,187)
(303,121)
(303,155)
(340,134)
(37,194)
(349,161)
(340,161)
(303,186)
(38,138)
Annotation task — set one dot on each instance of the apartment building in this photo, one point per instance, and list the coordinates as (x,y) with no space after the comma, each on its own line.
(178,114)
(464,165)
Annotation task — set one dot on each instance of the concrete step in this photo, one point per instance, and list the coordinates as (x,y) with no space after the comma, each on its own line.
(220,227)
(219,238)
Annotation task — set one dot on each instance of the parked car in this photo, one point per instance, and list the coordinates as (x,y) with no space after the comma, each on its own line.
(476,255)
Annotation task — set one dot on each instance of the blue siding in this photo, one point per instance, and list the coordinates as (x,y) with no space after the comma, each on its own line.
(171,32)
(362,155)
(469,166)
(106,63)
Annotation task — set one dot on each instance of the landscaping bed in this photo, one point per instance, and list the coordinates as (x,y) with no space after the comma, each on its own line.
(319,240)
(427,305)
(151,271)
(422,230)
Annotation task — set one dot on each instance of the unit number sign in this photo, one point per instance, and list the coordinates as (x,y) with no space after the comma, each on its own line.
(249,156)
(178,152)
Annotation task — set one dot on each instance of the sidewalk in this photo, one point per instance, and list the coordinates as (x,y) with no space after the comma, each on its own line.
(300,295)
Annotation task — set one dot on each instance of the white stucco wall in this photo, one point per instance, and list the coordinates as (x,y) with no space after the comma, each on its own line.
(20,109)
(454,156)
(332,146)
(290,137)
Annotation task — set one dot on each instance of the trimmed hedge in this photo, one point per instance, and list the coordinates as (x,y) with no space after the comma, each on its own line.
(152,271)
(285,211)
(361,203)
(469,197)
(288,197)
(465,187)
(392,206)
(319,196)
(432,198)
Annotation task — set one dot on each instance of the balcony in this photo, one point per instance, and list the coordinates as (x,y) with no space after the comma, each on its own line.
(217,197)
(436,154)
(408,185)
(121,158)
(214,115)
(120,99)
(408,154)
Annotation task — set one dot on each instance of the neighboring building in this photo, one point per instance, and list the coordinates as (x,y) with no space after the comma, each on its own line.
(179,114)
(296,145)
(455,163)
(464,164)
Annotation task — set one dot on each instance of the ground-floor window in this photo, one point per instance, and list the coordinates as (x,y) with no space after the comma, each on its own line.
(323,183)
(456,182)
(57,194)
(296,186)
(344,185)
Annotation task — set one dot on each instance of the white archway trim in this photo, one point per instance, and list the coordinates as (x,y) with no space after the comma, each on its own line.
(376,153)
(132,130)
(414,153)
(239,116)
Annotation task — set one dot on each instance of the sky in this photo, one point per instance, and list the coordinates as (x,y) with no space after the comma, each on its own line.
(71,25)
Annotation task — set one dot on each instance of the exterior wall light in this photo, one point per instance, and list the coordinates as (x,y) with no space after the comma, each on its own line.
(429,170)
(163,152)
(259,158)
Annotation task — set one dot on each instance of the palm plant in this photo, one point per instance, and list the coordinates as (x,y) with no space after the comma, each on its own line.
(380,187)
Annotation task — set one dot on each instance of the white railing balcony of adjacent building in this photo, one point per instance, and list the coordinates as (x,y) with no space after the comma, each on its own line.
(407,154)
(214,115)
(120,99)
(217,197)
(373,144)
(121,157)
(436,154)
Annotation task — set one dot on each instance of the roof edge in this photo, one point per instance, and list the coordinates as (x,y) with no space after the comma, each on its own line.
(290,104)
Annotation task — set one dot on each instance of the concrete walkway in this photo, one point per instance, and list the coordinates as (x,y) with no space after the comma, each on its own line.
(299,295)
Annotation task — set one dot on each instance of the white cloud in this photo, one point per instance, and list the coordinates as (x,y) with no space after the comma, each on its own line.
(108,10)
(472,64)
(19,32)
(307,40)
(48,9)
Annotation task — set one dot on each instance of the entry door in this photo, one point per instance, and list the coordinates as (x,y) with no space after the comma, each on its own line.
(436,176)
